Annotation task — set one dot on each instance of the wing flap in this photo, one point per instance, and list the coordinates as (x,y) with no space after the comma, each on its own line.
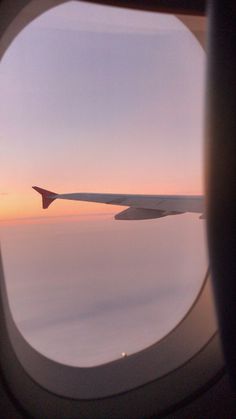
(143,214)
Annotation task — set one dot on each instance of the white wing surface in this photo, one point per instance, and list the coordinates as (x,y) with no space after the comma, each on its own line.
(139,206)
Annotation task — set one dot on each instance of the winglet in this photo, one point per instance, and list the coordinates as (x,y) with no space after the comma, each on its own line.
(47,196)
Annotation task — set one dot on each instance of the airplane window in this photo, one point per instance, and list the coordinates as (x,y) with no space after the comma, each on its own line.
(101,100)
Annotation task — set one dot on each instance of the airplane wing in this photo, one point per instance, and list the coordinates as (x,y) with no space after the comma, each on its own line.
(140,207)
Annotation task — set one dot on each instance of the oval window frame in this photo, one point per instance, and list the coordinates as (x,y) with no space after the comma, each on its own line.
(151,380)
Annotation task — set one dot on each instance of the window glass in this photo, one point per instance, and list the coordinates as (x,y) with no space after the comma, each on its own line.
(100,99)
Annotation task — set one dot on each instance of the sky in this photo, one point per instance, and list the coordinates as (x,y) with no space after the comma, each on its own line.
(98,99)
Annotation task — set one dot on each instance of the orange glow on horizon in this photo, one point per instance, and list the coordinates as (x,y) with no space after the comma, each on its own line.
(27,206)
(24,209)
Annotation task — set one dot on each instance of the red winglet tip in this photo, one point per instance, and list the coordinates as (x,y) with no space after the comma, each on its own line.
(47,196)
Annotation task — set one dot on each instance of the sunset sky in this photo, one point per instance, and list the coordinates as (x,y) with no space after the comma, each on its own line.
(98,99)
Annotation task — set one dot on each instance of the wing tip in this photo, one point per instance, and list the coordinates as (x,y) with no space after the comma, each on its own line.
(47,196)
